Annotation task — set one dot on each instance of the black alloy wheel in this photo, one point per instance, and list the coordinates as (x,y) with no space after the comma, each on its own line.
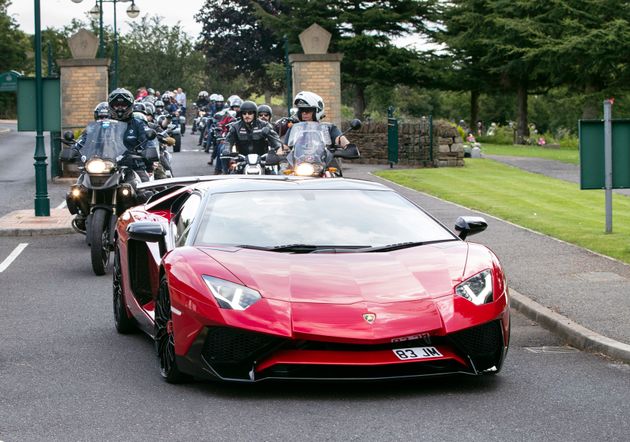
(164,337)
(99,235)
(124,324)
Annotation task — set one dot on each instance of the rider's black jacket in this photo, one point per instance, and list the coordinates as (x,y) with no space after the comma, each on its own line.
(256,137)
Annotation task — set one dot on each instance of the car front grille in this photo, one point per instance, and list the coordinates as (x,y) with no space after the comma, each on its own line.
(483,344)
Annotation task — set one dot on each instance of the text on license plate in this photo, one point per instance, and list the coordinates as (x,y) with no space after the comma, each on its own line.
(417,353)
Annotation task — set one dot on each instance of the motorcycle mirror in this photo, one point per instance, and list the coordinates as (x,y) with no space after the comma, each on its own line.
(272,159)
(355,124)
(351,152)
(151,134)
(68,135)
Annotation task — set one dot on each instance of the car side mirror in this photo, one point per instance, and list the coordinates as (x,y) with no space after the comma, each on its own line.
(470,225)
(148,231)
(68,135)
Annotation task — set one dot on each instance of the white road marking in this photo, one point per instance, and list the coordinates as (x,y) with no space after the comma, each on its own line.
(61,206)
(12,257)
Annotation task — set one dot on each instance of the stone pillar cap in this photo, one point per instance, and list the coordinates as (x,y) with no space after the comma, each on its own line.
(315,39)
(83,44)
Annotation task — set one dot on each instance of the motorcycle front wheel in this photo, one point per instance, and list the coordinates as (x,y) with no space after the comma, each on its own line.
(99,234)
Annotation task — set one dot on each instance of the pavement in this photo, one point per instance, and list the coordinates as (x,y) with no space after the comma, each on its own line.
(580,295)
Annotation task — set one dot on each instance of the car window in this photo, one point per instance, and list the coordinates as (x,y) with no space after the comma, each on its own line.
(183,220)
(317,217)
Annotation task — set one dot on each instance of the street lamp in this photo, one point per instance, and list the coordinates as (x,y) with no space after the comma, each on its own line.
(97,13)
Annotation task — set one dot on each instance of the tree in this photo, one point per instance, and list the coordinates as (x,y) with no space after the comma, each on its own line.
(584,45)
(363,31)
(235,42)
(14,44)
(155,55)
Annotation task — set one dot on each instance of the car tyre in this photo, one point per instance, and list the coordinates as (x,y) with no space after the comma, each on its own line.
(165,338)
(124,324)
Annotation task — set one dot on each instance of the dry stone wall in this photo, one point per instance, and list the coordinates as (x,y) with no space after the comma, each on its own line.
(414,144)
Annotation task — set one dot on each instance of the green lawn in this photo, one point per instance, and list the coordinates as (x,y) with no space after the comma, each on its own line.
(564,154)
(554,207)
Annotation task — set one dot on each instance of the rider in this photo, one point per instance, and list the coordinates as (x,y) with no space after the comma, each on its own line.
(265,113)
(310,107)
(251,135)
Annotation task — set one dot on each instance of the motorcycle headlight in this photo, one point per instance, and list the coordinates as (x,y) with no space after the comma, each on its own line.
(305,169)
(96,165)
(231,296)
(477,289)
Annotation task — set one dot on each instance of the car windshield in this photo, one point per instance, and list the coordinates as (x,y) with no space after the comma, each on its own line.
(104,139)
(308,141)
(335,218)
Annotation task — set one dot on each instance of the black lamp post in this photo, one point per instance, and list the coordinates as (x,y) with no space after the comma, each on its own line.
(97,13)
(42,201)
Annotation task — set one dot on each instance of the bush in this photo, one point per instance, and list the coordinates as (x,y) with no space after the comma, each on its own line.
(498,135)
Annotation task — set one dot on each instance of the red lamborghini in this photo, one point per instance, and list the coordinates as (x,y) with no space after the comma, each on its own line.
(247,279)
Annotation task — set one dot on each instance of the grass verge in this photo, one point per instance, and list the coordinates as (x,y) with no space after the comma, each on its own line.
(547,205)
(564,154)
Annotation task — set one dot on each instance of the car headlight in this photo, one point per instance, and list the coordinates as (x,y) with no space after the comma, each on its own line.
(96,165)
(477,289)
(231,296)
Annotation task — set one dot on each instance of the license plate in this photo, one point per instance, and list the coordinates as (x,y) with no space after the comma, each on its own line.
(405,354)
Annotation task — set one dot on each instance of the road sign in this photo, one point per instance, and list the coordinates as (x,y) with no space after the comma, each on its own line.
(26,105)
(592,155)
(8,81)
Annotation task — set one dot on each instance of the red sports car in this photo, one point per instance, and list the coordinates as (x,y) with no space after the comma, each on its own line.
(246,279)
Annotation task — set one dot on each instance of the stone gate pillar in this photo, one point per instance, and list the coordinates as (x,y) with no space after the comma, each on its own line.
(317,71)
(84,81)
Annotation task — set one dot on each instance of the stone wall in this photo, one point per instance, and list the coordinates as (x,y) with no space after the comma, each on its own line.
(413,144)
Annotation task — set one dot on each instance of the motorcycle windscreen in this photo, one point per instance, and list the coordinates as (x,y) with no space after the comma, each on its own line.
(308,141)
(104,139)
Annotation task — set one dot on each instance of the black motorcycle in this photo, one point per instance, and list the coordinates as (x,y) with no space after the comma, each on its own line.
(106,187)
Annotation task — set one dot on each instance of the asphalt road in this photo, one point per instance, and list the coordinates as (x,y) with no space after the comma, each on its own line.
(66,375)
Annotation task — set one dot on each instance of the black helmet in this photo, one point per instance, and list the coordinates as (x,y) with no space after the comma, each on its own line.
(101,111)
(265,108)
(249,106)
(120,104)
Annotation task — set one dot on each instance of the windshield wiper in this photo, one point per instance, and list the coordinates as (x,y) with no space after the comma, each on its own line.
(305,248)
(401,245)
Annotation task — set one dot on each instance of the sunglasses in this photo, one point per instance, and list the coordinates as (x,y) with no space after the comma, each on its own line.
(248,113)
(264,114)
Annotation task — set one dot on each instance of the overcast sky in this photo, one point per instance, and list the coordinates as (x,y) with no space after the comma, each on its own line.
(57,13)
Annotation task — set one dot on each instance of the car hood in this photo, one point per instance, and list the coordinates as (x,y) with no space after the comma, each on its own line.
(336,296)
(348,278)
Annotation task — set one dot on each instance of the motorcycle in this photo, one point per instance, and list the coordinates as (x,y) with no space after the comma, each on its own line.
(172,125)
(105,188)
(162,168)
(314,154)
(251,164)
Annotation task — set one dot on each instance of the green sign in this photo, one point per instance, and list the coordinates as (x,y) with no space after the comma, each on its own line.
(26,105)
(8,81)
(591,133)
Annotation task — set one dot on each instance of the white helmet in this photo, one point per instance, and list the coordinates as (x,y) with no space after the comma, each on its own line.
(310,100)
(213,97)
(220,97)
